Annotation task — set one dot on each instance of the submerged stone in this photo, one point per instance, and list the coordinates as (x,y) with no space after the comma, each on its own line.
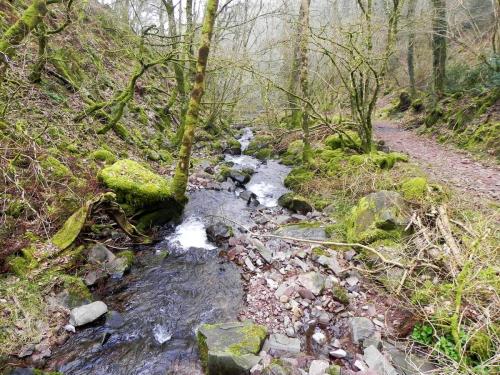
(230,348)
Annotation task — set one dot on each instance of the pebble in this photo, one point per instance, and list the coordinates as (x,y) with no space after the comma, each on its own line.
(69,328)
(319,338)
(284,298)
(339,353)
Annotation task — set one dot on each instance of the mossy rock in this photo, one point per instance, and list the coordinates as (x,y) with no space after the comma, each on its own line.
(297,177)
(230,348)
(340,294)
(128,255)
(68,65)
(264,154)
(295,203)
(258,143)
(414,188)
(22,264)
(135,185)
(103,155)
(340,141)
(378,216)
(378,159)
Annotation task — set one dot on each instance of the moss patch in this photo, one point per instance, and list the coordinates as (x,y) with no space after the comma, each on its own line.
(414,188)
(297,177)
(103,155)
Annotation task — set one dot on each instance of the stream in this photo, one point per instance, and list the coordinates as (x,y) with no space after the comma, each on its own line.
(157,307)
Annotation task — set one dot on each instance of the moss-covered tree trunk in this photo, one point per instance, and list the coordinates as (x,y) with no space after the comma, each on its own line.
(439,45)
(411,46)
(182,171)
(14,35)
(304,78)
(178,68)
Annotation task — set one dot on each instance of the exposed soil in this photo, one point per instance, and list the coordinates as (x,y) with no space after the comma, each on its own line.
(440,162)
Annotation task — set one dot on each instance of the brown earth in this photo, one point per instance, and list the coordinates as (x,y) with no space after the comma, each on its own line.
(442,163)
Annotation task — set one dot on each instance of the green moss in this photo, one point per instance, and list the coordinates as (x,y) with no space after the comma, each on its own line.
(15,207)
(379,159)
(128,255)
(71,229)
(68,65)
(103,155)
(340,141)
(166,156)
(297,177)
(76,288)
(340,294)
(333,370)
(259,143)
(253,335)
(136,185)
(318,251)
(55,167)
(414,188)
(21,265)
(481,346)
(263,154)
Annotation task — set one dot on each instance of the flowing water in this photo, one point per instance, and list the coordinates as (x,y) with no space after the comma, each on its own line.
(164,299)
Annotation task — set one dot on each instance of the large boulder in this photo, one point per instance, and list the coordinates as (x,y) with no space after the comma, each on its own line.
(136,186)
(295,203)
(378,216)
(230,348)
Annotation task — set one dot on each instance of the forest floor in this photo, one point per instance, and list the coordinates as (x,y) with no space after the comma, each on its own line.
(443,163)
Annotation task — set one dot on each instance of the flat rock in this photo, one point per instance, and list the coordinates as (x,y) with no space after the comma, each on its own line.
(313,281)
(87,313)
(281,345)
(230,348)
(407,363)
(305,231)
(377,362)
(318,367)
(331,263)
(219,232)
(100,254)
(361,328)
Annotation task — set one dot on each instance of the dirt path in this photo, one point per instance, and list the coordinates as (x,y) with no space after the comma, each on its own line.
(442,163)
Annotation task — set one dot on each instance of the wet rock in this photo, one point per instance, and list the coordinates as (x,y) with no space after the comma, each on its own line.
(308,231)
(281,345)
(117,267)
(94,276)
(361,328)
(87,313)
(295,203)
(228,185)
(114,320)
(219,232)
(318,367)
(249,197)
(377,362)
(239,177)
(230,348)
(22,371)
(313,281)
(100,254)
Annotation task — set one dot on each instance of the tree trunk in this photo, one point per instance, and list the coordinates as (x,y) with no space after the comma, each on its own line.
(36,74)
(30,19)
(181,176)
(304,78)
(439,45)
(411,46)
